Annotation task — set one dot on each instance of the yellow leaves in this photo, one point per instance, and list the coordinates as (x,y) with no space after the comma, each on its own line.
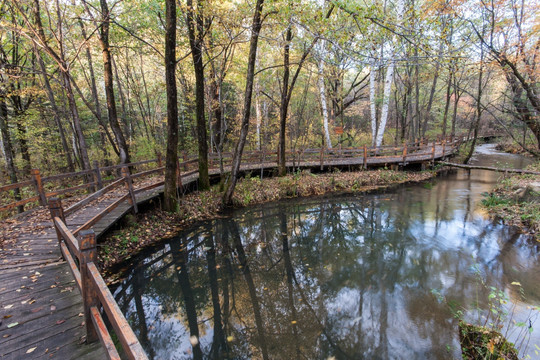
(491,346)
(31,350)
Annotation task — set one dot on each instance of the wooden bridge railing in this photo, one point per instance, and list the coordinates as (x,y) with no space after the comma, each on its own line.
(39,189)
(81,254)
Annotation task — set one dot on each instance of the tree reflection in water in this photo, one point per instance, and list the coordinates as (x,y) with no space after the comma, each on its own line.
(349,277)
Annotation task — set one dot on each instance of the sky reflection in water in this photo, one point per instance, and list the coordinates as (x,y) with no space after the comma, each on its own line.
(345,276)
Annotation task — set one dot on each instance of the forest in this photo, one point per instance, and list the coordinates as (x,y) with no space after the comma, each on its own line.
(151,151)
(118,81)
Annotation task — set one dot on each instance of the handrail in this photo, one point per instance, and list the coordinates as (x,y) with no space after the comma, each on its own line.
(99,216)
(92,197)
(129,341)
(93,179)
(67,236)
(93,289)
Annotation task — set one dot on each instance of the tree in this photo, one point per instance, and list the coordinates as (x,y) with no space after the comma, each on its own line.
(197,27)
(378,127)
(322,93)
(108,78)
(256,26)
(36,28)
(171,160)
(516,51)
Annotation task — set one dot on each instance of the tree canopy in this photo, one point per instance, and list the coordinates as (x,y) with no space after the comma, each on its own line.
(86,79)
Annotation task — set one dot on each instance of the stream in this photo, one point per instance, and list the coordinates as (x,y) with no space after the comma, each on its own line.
(376,276)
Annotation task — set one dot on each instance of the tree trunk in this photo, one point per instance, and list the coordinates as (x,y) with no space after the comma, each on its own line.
(239,148)
(23,143)
(478,107)
(435,79)
(196,33)
(171,161)
(83,152)
(385,103)
(284,106)
(379,133)
(8,149)
(97,110)
(322,94)
(109,84)
(373,98)
(125,120)
(66,79)
(447,104)
(417,114)
(56,114)
(258,113)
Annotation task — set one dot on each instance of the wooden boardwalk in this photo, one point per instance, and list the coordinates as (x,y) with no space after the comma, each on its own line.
(41,309)
(40,304)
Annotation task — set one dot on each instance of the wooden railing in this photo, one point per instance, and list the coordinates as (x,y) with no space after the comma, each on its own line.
(39,189)
(81,254)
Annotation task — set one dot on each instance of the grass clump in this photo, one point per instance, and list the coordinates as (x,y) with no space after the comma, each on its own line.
(479,342)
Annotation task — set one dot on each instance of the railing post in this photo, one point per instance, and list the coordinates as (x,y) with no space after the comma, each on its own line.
(87,246)
(129,186)
(178,174)
(97,173)
(365,157)
(404,153)
(433,152)
(38,184)
(184,158)
(443,148)
(56,209)
(321,158)
(159,161)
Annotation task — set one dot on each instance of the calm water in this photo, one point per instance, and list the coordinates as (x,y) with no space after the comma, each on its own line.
(345,276)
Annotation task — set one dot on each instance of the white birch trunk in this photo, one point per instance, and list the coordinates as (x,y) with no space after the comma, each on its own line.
(373,99)
(388,83)
(258,115)
(385,103)
(322,93)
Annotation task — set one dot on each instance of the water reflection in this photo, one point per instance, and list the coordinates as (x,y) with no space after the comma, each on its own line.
(347,276)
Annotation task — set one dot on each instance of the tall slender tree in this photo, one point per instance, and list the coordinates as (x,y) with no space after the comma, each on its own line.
(196,29)
(171,160)
(256,26)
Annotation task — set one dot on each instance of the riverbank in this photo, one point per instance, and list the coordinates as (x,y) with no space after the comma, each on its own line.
(516,200)
(154,226)
(513,148)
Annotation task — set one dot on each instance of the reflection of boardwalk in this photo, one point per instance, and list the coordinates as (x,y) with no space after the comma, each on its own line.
(40,305)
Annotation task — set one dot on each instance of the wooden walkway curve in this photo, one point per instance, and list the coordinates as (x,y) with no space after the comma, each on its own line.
(41,308)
